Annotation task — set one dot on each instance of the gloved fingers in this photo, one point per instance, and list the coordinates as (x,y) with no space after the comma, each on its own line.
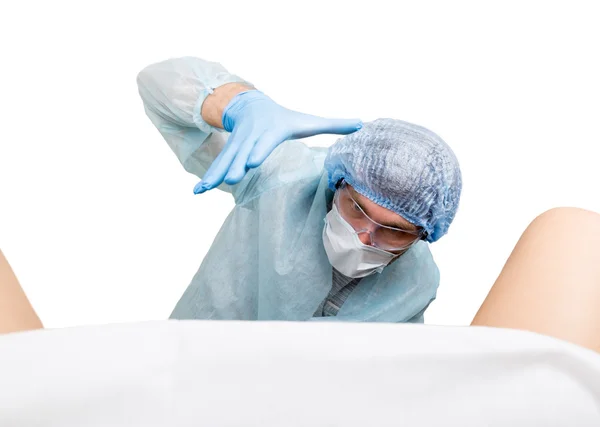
(318,125)
(264,147)
(238,167)
(211,179)
(198,188)
(220,166)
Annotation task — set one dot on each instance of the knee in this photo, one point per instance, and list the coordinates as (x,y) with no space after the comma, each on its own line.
(577,219)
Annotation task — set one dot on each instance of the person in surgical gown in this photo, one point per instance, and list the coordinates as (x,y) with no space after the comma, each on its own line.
(316,234)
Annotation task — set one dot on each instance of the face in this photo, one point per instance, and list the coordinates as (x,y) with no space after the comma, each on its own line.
(375,225)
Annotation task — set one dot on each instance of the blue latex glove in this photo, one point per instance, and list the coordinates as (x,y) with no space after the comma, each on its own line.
(258,125)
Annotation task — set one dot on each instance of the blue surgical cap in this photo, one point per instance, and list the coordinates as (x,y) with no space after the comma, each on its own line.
(402,167)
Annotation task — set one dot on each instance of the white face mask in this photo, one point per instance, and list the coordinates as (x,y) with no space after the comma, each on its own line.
(347,253)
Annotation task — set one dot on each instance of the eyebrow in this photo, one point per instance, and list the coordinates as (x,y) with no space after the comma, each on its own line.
(404,225)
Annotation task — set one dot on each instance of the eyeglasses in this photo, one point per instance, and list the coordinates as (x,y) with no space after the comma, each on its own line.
(390,239)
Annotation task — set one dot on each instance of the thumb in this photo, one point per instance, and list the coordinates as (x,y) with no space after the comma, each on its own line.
(321,125)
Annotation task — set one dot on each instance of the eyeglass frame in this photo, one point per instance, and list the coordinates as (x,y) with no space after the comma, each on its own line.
(420,233)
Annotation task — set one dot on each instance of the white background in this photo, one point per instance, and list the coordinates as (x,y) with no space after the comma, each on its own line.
(99,220)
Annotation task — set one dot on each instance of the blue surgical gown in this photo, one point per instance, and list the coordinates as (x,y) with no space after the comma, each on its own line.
(268,261)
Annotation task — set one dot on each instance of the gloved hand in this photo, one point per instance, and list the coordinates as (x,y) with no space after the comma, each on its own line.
(258,125)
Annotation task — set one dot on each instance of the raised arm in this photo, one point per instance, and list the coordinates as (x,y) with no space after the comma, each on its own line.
(176,93)
(187,99)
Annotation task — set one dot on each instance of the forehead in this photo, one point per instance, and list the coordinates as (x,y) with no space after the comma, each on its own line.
(380,214)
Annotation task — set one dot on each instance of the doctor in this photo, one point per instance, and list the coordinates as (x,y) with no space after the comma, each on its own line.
(316,234)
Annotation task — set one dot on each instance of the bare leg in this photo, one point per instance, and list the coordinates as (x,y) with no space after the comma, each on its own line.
(16,313)
(551,282)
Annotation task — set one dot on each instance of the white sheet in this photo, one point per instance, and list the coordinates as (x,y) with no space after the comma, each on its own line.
(181,374)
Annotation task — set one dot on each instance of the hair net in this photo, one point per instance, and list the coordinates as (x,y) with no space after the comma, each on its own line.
(402,167)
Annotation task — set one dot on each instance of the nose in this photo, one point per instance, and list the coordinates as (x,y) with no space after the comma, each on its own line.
(365,238)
